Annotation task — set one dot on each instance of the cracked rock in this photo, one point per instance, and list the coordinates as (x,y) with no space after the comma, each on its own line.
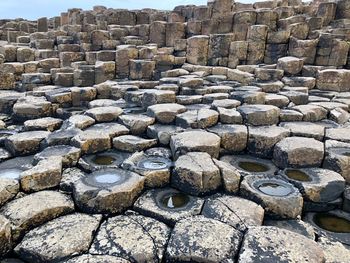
(58,239)
(233,137)
(278,197)
(69,154)
(234,211)
(5,236)
(107,190)
(35,209)
(46,174)
(200,239)
(165,113)
(196,173)
(133,237)
(131,143)
(272,244)
(26,142)
(168,205)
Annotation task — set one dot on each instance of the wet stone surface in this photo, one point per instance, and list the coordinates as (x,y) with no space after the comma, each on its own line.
(212,133)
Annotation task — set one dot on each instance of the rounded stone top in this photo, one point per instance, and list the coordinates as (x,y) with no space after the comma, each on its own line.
(198,140)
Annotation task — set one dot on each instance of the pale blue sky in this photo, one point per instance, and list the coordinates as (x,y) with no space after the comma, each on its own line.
(32,9)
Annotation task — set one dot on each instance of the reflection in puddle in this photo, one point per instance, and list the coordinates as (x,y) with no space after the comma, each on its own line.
(107,178)
(332,223)
(154,163)
(298,175)
(274,189)
(103,160)
(253,167)
(175,200)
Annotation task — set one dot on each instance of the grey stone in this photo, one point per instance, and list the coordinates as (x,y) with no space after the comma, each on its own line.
(284,203)
(202,239)
(131,143)
(58,239)
(234,211)
(35,209)
(151,203)
(111,195)
(259,115)
(5,236)
(262,140)
(196,173)
(272,244)
(133,237)
(233,137)
(45,175)
(195,141)
(165,113)
(298,152)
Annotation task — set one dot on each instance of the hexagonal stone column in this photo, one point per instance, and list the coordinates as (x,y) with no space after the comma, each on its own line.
(92,141)
(298,152)
(5,236)
(196,173)
(8,188)
(155,169)
(262,140)
(141,69)
(203,239)
(166,112)
(35,209)
(290,65)
(104,114)
(233,137)
(278,197)
(26,142)
(237,212)
(338,159)
(46,174)
(58,239)
(316,184)
(273,244)
(195,141)
(197,50)
(168,205)
(107,190)
(259,115)
(133,237)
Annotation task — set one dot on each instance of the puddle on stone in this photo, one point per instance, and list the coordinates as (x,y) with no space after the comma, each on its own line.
(103,159)
(274,189)
(107,178)
(298,175)
(11,173)
(154,163)
(332,223)
(175,200)
(253,167)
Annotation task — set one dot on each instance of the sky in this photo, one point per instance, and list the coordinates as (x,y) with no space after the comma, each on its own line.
(33,9)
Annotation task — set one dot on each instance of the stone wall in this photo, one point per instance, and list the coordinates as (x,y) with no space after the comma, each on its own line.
(140,44)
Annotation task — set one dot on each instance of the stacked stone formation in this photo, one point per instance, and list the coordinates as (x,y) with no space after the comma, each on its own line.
(231,97)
